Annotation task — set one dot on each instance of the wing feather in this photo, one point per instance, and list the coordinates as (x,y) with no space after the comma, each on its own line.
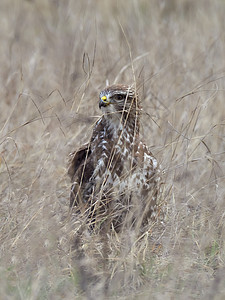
(78,158)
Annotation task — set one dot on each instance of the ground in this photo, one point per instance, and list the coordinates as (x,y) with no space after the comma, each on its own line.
(55,57)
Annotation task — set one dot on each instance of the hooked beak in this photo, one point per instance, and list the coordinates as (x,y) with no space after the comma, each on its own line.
(103,102)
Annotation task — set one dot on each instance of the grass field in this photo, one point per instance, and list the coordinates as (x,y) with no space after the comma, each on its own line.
(55,57)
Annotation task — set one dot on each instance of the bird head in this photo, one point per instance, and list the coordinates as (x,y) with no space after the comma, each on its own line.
(121,100)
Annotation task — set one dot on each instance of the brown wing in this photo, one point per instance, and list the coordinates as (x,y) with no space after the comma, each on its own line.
(147,182)
(78,158)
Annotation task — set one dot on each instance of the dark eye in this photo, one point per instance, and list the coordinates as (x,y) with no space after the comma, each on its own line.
(119,97)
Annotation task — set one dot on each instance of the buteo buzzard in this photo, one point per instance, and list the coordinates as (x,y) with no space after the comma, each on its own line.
(115,178)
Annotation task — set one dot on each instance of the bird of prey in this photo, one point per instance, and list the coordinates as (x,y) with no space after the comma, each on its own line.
(115,178)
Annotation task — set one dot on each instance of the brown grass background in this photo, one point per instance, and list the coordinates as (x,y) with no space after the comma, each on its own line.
(55,57)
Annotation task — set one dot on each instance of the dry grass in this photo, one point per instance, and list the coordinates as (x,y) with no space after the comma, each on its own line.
(55,58)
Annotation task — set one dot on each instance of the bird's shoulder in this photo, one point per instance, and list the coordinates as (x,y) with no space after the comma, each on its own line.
(77,158)
(87,152)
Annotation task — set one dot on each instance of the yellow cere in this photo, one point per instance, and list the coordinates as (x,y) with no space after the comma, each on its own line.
(104,98)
